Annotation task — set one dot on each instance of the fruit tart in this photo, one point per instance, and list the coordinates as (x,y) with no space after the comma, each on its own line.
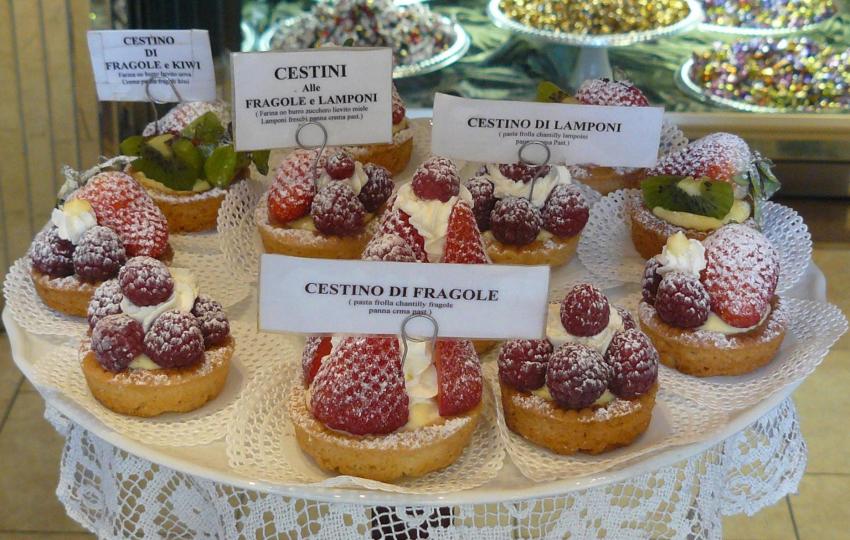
(89,238)
(710,182)
(589,386)
(186,162)
(528,214)
(156,345)
(363,410)
(710,307)
(393,156)
(322,209)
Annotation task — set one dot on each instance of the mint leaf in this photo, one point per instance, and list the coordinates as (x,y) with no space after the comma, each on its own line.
(221,166)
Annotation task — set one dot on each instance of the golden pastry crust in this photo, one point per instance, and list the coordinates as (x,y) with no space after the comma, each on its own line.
(606,180)
(148,393)
(709,354)
(554,251)
(385,458)
(590,430)
(393,156)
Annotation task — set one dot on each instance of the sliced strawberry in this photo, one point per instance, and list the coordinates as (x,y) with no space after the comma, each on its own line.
(121,204)
(741,273)
(397,222)
(359,388)
(315,350)
(719,156)
(463,241)
(459,380)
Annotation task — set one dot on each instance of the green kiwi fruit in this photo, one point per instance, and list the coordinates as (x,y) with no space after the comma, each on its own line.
(685,194)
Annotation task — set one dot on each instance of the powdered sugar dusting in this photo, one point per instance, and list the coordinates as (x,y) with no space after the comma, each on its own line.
(720,156)
(609,92)
(615,409)
(184,114)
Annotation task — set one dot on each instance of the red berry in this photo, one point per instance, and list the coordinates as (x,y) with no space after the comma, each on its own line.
(340,166)
(576,376)
(628,321)
(651,279)
(397,222)
(565,212)
(378,189)
(522,363)
(515,221)
(336,210)
(52,255)
(360,389)
(436,179)
(483,200)
(116,340)
(146,281)
(99,254)
(290,198)
(315,350)
(585,311)
(608,92)
(388,247)
(105,301)
(213,320)
(398,107)
(459,379)
(175,340)
(718,156)
(633,362)
(463,241)
(521,172)
(682,301)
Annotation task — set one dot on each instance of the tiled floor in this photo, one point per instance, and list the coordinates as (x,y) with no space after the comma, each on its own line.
(29,448)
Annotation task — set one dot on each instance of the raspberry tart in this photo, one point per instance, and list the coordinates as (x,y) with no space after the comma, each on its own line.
(711,182)
(326,213)
(528,214)
(710,307)
(363,410)
(89,238)
(186,162)
(156,345)
(393,156)
(588,387)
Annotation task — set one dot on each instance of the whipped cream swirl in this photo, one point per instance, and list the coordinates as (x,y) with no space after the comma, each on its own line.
(558,335)
(431,218)
(543,186)
(182,298)
(682,254)
(355,182)
(73,220)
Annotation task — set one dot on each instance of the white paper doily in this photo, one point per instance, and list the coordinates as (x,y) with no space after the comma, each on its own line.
(261,443)
(606,247)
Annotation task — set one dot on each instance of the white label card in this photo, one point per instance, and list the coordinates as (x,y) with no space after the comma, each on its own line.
(494,131)
(125,60)
(321,296)
(347,90)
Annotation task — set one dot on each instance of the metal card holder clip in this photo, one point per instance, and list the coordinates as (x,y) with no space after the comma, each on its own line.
(405,336)
(320,146)
(154,102)
(525,161)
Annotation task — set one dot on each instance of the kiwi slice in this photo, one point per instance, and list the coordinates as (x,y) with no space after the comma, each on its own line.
(206,129)
(188,156)
(131,145)
(685,194)
(220,167)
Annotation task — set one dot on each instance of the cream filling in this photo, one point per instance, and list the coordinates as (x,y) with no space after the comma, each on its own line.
(198,187)
(355,182)
(144,361)
(182,298)
(682,254)
(430,218)
(715,324)
(542,236)
(73,219)
(606,397)
(543,186)
(739,213)
(558,335)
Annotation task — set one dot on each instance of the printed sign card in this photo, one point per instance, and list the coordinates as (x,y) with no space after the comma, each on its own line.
(125,60)
(483,301)
(347,90)
(494,131)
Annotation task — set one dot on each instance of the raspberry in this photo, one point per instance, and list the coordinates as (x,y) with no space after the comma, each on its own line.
(522,363)
(436,179)
(388,247)
(290,198)
(378,189)
(565,212)
(397,222)
(628,321)
(483,200)
(336,210)
(651,279)
(463,241)
(52,255)
(99,254)
(213,320)
(682,301)
(146,281)
(585,311)
(315,350)
(398,107)
(515,221)
(633,362)
(608,92)
(175,340)
(459,379)
(576,376)
(359,388)
(340,166)
(520,172)
(116,340)
(105,301)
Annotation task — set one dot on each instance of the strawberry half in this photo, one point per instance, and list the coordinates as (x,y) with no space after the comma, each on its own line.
(316,349)
(719,156)
(359,388)
(463,240)
(610,92)
(397,222)
(459,380)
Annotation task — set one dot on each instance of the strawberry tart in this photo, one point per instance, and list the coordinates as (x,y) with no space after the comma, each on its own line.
(156,345)
(393,156)
(186,162)
(362,409)
(710,307)
(528,214)
(711,182)
(326,213)
(589,386)
(90,237)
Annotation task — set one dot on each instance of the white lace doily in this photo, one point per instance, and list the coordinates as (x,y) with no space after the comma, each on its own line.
(606,247)
(261,442)
(61,371)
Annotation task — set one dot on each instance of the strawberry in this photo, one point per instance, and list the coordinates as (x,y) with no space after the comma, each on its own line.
(121,204)
(359,388)
(609,92)
(290,198)
(459,381)
(719,156)
(740,275)
(397,222)
(315,350)
(463,241)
